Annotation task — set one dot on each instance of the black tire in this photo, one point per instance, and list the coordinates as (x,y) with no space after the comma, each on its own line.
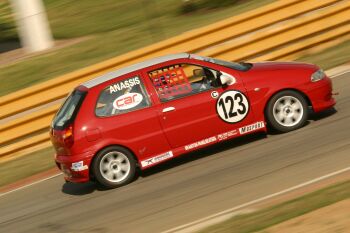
(286,111)
(114,166)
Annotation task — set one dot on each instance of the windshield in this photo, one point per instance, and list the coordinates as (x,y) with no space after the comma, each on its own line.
(68,111)
(242,66)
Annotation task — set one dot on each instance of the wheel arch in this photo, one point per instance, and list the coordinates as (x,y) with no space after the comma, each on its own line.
(91,175)
(285,89)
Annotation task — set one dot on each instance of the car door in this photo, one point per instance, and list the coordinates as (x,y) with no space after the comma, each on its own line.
(194,108)
(125,116)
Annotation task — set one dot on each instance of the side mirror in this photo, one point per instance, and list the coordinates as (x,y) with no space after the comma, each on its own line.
(227,79)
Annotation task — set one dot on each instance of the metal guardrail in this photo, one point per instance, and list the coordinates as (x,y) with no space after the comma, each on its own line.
(271,32)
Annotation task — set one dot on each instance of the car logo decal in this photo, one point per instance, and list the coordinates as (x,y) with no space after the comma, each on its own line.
(127,101)
(214,94)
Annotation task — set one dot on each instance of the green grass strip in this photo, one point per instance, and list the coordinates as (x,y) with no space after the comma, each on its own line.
(26,166)
(330,57)
(265,218)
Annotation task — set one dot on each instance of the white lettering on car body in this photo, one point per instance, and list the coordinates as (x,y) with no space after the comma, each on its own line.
(124,84)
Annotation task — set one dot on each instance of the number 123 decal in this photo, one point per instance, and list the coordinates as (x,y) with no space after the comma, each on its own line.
(232,106)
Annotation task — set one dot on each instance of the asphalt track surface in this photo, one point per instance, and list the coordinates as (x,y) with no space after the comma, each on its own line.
(191,187)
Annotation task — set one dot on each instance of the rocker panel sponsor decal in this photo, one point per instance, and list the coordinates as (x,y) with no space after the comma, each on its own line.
(200,143)
(252,127)
(157,159)
(227,135)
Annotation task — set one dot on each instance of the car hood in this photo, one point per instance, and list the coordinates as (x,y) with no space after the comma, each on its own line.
(277,66)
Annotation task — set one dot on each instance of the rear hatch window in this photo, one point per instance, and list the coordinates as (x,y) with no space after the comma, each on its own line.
(67,113)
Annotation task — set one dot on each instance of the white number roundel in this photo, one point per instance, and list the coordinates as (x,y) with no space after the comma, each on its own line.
(232,106)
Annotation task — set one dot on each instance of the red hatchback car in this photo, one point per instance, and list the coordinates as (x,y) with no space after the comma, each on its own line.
(150,112)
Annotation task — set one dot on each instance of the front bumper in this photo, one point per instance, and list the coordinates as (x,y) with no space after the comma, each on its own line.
(320,95)
(76,168)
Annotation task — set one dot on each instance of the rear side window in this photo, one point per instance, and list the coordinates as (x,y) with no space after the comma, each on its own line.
(122,97)
(69,110)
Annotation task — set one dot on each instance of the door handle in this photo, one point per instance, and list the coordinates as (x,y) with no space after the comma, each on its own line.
(168,109)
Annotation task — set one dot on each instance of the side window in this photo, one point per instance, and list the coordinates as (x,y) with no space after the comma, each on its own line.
(180,80)
(121,97)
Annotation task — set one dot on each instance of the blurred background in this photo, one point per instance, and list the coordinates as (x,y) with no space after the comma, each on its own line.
(87,38)
(79,40)
(89,31)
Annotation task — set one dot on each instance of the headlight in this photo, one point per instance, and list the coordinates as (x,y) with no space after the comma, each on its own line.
(317,76)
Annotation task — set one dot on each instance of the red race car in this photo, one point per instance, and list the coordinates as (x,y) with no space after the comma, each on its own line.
(142,115)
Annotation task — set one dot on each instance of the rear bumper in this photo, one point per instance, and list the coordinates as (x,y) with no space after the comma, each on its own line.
(76,168)
(321,96)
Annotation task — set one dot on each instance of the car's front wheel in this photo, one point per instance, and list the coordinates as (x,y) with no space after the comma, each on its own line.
(114,166)
(287,111)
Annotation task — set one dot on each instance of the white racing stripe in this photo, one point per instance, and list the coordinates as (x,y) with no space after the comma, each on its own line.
(28,185)
(338,71)
(340,74)
(202,223)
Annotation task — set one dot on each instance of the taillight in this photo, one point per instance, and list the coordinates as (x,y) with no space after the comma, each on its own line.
(67,136)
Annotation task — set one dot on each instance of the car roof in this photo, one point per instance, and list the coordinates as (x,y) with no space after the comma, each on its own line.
(114,74)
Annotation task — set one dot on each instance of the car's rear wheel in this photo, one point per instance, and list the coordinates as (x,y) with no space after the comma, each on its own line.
(287,111)
(114,166)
